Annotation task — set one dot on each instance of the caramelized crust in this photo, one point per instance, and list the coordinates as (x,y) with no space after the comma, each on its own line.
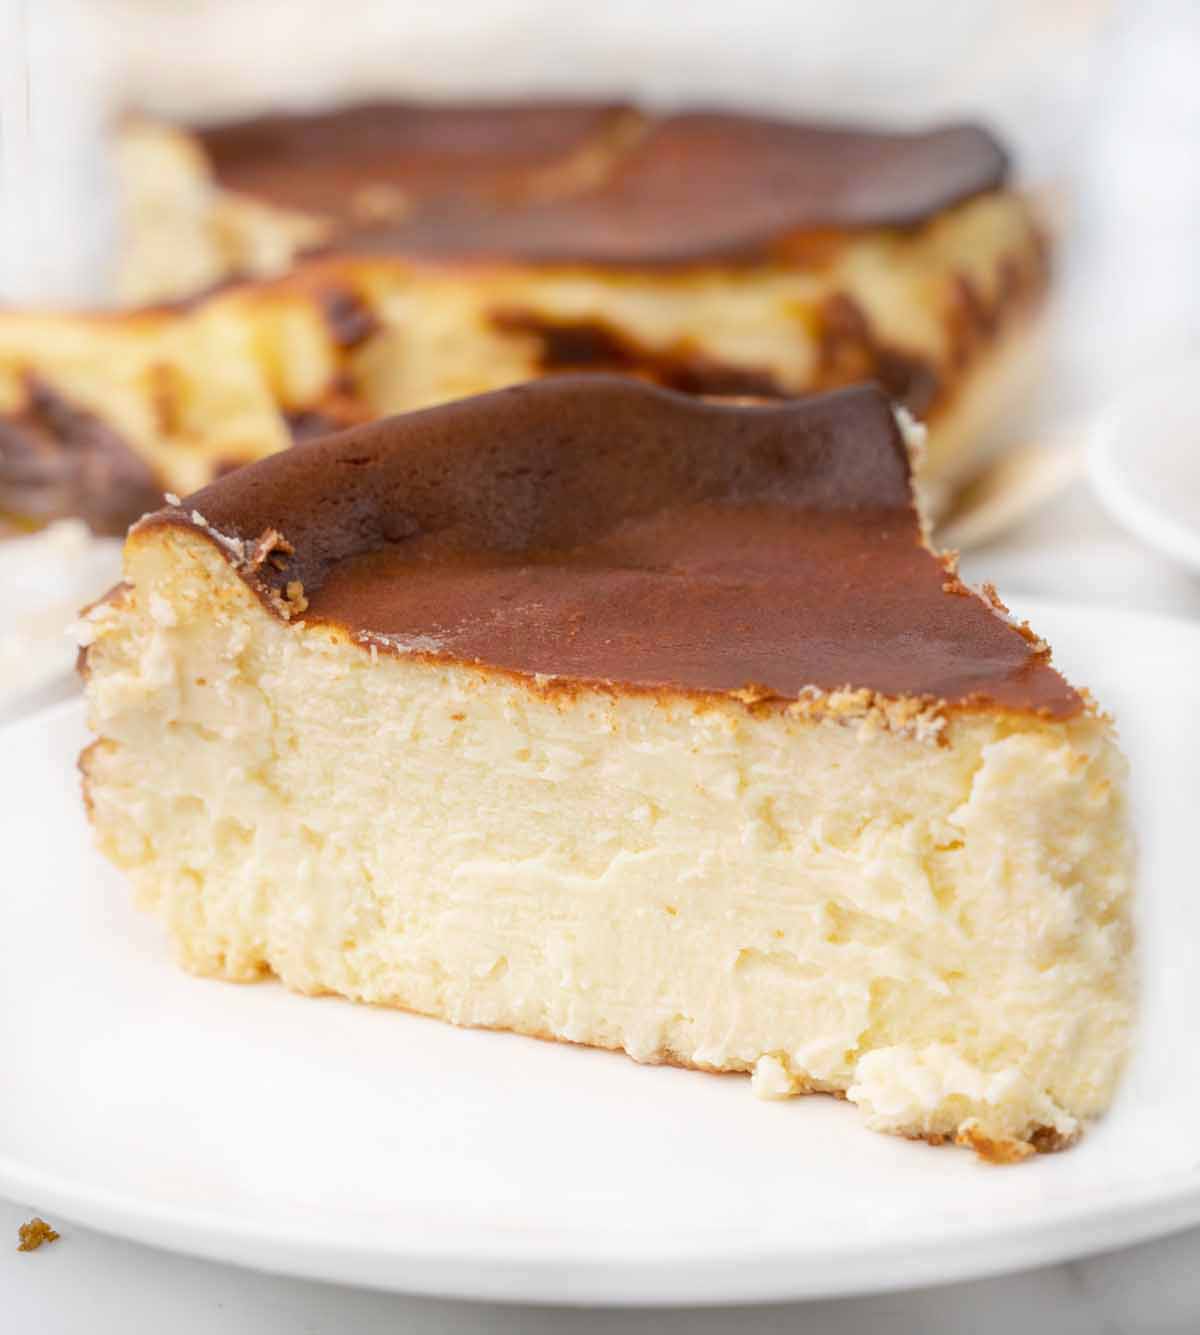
(369,163)
(593,183)
(716,187)
(597,530)
(58,460)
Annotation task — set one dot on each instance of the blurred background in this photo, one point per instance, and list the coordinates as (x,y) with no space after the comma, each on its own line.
(1098,98)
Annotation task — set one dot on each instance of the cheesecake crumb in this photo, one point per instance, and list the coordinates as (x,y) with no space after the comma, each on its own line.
(1091,706)
(753,693)
(32,1235)
(998,1150)
(771,1079)
(233,545)
(291,602)
(295,596)
(399,644)
(269,544)
(1023,628)
(919,716)
(953,583)
(1050,1140)
(914,433)
(989,591)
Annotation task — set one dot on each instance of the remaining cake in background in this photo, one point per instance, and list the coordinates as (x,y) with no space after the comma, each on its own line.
(466,248)
(590,711)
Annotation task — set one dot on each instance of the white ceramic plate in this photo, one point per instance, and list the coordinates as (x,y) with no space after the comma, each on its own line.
(1144,462)
(327,1140)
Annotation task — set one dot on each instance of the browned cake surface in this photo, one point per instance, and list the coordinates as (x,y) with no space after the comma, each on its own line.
(597,184)
(474,246)
(58,459)
(319,161)
(594,529)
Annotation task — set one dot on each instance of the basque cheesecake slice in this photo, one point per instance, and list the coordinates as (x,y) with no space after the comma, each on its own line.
(716,254)
(598,713)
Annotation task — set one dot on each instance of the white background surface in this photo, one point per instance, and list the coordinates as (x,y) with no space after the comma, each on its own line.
(1131,301)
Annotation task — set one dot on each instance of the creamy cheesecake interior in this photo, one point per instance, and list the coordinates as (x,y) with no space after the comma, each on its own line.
(714,254)
(595,713)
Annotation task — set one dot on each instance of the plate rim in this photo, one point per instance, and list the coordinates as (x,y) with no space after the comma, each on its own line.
(576,1274)
(583,1278)
(1160,531)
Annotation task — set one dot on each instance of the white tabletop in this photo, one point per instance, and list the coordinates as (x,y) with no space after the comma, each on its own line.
(87,1284)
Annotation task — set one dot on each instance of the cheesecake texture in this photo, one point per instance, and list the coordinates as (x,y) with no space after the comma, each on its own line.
(381,259)
(597,713)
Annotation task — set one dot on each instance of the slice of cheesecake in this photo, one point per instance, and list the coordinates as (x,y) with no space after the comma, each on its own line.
(594,712)
(714,254)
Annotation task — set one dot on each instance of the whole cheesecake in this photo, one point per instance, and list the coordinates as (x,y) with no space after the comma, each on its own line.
(594,712)
(384,258)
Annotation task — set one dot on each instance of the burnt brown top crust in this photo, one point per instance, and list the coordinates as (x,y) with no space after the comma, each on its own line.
(59,460)
(597,184)
(600,530)
(317,162)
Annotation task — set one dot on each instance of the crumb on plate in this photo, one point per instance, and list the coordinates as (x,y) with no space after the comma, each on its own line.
(33,1234)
